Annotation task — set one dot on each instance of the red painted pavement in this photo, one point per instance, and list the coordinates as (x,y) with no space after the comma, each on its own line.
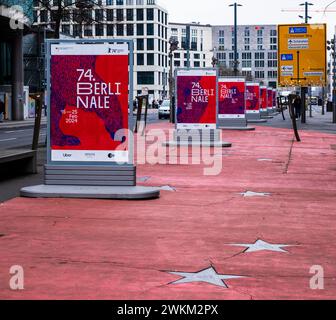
(91,249)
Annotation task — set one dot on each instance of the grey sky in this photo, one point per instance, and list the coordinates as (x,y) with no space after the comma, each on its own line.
(253,11)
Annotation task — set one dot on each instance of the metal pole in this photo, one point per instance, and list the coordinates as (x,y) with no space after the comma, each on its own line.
(171,87)
(310,103)
(235,42)
(323,101)
(306,12)
(188,45)
(334,80)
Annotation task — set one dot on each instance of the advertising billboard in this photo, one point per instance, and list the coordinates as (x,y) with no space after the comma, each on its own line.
(252,98)
(231,104)
(302,55)
(196,99)
(89,102)
(270,98)
(263,99)
(274,98)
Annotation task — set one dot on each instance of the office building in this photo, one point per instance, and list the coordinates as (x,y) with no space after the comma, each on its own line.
(144,21)
(257,50)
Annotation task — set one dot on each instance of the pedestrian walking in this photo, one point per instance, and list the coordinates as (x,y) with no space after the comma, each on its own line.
(297,106)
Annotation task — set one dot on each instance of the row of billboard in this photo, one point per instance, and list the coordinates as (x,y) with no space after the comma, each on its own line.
(203,99)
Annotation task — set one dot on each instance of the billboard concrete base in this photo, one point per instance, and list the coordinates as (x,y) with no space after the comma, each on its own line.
(91,192)
(198,137)
(210,144)
(257,121)
(238,128)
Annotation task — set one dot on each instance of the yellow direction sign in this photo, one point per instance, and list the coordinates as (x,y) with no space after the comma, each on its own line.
(302,55)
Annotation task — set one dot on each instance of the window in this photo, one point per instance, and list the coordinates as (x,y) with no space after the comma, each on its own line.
(109,14)
(129,15)
(140,45)
(260,74)
(145,77)
(197,64)
(150,59)
(120,29)
(150,44)
(150,29)
(130,29)
(140,14)
(150,14)
(120,14)
(140,59)
(99,30)
(140,29)
(110,30)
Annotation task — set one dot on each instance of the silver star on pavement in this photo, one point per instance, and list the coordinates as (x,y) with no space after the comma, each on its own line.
(209,275)
(261,245)
(254,194)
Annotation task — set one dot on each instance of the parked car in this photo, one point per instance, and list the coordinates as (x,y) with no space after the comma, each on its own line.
(164,110)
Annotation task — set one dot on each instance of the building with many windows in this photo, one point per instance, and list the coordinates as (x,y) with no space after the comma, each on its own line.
(144,21)
(257,50)
(200,44)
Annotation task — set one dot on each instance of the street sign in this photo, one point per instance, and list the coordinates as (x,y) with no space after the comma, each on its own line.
(196,100)
(89,102)
(298,30)
(287,57)
(302,59)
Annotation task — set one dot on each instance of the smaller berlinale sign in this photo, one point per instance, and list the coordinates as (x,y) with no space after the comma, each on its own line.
(231,93)
(302,59)
(196,103)
(252,98)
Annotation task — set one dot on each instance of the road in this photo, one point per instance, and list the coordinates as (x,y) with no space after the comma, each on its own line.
(22,137)
(19,137)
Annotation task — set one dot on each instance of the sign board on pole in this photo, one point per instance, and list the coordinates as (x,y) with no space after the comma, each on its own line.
(263,99)
(231,98)
(89,103)
(269,99)
(196,99)
(274,98)
(252,98)
(302,59)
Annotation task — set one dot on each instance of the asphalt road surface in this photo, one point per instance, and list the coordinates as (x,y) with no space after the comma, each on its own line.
(18,138)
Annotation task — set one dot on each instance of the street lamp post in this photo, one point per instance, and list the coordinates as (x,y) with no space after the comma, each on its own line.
(306,5)
(235,5)
(173,47)
(214,61)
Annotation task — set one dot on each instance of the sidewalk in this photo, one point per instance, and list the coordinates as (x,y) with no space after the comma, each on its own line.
(20,124)
(84,249)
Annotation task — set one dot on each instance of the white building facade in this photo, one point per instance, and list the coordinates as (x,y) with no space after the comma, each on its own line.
(144,21)
(200,45)
(257,50)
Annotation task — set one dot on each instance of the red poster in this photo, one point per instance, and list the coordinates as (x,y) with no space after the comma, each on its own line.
(89,103)
(252,98)
(263,99)
(270,98)
(231,103)
(196,99)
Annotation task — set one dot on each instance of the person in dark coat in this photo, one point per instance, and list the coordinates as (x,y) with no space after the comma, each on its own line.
(297,106)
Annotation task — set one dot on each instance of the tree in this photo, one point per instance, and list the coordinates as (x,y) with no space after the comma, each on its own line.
(61,10)
(224,71)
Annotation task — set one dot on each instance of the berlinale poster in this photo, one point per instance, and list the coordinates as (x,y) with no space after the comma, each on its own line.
(89,103)
(231,98)
(252,98)
(263,99)
(270,98)
(196,103)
